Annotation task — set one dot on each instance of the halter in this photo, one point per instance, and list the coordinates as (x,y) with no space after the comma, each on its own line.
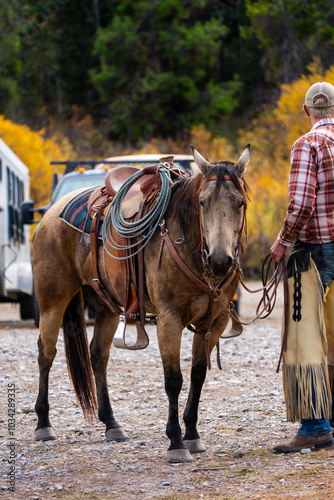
(204,253)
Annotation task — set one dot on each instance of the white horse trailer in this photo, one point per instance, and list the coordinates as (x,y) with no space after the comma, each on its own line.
(16,279)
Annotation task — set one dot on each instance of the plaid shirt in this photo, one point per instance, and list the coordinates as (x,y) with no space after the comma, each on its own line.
(310,215)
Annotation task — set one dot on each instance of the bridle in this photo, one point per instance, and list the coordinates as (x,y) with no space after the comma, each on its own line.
(215,292)
(204,252)
(269,286)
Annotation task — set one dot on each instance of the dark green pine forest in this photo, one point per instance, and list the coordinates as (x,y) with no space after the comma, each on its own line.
(155,68)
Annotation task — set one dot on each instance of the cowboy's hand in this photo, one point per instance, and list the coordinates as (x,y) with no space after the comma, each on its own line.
(277,251)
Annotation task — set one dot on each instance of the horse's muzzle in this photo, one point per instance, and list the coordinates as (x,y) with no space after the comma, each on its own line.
(220,266)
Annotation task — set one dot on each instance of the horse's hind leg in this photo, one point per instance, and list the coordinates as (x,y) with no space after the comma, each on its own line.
(105,326)
(50,323)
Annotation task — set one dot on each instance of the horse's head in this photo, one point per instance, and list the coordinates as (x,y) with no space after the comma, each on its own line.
(223,203)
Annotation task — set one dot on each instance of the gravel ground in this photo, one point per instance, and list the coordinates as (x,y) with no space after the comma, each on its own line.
(242,415)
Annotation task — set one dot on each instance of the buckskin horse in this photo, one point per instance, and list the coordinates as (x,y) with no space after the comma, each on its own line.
(191,285)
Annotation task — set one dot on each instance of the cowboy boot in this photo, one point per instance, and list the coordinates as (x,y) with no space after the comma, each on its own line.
(300,442)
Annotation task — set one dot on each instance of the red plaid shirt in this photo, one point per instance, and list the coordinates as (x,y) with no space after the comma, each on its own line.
(310,215)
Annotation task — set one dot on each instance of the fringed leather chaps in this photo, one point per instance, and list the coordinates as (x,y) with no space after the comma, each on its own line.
(306,382)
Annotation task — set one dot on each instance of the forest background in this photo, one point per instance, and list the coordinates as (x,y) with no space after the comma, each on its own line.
(88,79)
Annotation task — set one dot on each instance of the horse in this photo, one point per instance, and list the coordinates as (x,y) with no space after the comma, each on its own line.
(206,216)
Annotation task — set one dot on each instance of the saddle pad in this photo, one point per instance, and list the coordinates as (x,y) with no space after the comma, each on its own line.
(75,212)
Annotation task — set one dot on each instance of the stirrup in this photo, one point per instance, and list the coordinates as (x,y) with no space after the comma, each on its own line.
(236,328)
(119,340)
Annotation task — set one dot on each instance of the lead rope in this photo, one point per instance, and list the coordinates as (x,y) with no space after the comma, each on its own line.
(267,301)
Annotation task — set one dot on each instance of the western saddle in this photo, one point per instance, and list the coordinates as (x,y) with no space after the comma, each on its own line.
(137,202)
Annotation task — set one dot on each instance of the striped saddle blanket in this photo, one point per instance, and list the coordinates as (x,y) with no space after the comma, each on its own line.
(75,212)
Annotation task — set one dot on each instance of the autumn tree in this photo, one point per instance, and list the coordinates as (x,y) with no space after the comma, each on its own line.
(36,153)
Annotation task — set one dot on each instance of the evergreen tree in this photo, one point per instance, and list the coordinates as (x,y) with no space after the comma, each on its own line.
(291,34)
(10,46)
(161,68)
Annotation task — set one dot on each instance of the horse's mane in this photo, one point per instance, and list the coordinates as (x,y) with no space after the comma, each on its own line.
(187,191)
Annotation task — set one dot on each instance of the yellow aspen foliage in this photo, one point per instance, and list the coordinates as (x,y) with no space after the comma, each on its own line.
(215,149)
(265,214)
(162,146)
(151,147)
(36,152)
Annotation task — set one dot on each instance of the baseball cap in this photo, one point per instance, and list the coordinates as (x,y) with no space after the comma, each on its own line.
(320,89)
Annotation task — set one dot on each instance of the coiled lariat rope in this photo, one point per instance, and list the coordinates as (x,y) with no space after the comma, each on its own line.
(145,226)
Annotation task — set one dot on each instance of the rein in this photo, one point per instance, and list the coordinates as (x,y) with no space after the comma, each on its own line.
(269,302)
(269,295)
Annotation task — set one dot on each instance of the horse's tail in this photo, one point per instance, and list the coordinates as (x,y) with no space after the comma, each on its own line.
(77,356)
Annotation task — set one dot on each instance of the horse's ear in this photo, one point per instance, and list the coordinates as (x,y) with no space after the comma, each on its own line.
(202,163)
(243,161)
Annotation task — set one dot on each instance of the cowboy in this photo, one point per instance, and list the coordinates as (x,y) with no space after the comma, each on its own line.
(309,224)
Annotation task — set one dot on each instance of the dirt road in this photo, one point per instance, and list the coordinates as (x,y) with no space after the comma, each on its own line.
(241,410)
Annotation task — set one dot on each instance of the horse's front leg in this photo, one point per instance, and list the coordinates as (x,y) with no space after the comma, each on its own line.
(104,329)
(169,345)
(198,373)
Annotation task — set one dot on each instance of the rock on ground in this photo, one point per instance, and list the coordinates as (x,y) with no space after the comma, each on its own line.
(242,415)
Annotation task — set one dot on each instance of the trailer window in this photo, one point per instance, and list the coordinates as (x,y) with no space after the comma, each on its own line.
(9,188)
(15,197)
(18,192)
(13,189)
(21,190)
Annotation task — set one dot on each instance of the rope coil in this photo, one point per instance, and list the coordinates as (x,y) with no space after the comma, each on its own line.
(144,226)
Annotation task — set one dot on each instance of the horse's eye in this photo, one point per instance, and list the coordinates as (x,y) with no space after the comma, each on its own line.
(201,202)
(242,204)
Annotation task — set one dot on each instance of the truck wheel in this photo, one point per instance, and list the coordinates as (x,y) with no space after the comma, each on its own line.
(26,307)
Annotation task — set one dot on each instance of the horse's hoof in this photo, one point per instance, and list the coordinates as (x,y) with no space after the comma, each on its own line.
(45,434)
(116,434)
(194,445)
(177,456)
